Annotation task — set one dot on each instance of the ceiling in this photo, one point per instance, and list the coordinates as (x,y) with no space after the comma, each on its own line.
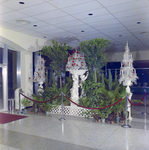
(69,21)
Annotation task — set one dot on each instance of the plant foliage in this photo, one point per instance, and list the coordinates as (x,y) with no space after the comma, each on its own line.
(94,55)
(57,55)
(100,95)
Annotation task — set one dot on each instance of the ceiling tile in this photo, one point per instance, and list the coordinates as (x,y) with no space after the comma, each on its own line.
(59,20)
(39,24)
(111,27)
(14,4)
(38,9)
(132,12)
(98,18)
(114,2)
(11,16)
(96,13)
(4,9)
(134,18)
(31,19)
(69,24)
(67,3)
(128,6)
(47,28)
(82,7)
(77,27)
(54,31)
(50,15)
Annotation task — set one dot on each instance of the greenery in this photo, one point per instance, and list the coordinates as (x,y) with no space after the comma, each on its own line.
(57,54)
(26,102)
(46,106)
(100,95)
(94,55)
(52,92)
(99,90)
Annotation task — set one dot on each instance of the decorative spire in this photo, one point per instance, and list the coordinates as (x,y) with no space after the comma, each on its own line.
(39,74)
(127,71)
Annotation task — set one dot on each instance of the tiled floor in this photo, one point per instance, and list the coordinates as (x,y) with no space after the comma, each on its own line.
(42,132)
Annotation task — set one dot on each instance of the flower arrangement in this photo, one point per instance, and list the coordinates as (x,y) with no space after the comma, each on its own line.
(76,62)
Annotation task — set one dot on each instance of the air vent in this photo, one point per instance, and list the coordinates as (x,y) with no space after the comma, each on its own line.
(22,21)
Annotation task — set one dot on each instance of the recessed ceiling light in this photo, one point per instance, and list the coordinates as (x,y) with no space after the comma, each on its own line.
(144,32)
(21,3)
(22,21)
(138,22)
(82,31)
(90,14)
(35,25)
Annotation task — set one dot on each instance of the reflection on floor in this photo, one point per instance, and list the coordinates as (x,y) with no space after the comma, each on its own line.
(1,104)
(47,132)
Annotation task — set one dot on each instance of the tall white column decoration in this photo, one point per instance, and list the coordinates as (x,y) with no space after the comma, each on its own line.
(77,67)
(39,74)
(128,74)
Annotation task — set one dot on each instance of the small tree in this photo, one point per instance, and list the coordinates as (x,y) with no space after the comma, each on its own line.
(110,80)
(58,55)
(94,55)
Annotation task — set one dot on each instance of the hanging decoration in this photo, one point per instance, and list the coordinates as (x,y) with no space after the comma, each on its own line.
(39,74)
(127,73)
(77,67)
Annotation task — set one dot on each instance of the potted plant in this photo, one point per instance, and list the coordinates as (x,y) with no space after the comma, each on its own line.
(25,102)
(46,107)
(94,98)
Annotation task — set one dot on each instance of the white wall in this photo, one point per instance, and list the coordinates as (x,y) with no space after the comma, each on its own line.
(21,42)
(26,45)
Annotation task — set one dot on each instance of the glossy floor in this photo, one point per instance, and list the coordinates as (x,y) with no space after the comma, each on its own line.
(47,132)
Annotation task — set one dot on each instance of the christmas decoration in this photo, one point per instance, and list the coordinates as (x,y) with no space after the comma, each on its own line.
(77,67)
(127,73)
(39,74)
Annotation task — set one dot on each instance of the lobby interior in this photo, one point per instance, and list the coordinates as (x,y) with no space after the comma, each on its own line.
(27,26)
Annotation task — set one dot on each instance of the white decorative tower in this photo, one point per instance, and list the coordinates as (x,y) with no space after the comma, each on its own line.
(77,67)
(39,74)
(127,74)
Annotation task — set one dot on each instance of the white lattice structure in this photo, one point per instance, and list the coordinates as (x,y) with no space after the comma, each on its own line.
(68,110)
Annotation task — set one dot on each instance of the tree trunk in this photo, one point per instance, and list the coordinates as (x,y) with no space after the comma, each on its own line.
(95,75)
(60,82)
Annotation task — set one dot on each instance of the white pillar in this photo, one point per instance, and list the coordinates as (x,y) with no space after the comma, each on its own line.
(74,89)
